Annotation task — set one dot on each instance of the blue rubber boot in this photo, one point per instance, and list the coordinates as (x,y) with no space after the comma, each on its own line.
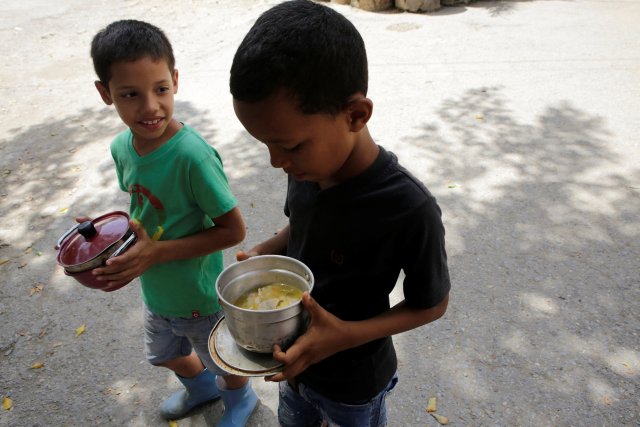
(198,390)
(238,406)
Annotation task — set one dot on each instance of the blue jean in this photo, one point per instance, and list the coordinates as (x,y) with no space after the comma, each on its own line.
(307,408)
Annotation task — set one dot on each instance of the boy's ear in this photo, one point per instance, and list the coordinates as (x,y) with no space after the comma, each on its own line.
(104,92)
(359,109)
(175,81)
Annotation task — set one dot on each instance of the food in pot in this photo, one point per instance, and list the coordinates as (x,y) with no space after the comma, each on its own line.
(269,297)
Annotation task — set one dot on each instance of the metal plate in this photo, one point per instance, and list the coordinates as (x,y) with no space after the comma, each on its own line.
(236,360)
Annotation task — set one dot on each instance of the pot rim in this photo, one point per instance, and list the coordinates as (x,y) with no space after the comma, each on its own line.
(307,276)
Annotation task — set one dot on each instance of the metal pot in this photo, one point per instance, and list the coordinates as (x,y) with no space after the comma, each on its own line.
(259,330)
(90,244)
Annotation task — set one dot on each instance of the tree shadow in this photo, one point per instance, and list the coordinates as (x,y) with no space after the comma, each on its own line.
(498,8)
(543,239)
(51,172)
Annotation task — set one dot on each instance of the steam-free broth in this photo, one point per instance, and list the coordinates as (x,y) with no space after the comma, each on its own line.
(269,297)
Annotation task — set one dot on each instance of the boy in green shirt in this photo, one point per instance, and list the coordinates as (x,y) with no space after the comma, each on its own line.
(183,214)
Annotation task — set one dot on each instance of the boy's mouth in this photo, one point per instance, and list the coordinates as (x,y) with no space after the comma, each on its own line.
(151,124)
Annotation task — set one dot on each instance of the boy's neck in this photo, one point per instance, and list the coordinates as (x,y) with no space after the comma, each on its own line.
(148,146)
(365,152)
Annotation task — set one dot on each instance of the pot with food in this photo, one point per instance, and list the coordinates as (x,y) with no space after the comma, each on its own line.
(261,300)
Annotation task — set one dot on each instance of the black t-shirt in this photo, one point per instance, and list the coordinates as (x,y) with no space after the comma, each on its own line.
(356,237)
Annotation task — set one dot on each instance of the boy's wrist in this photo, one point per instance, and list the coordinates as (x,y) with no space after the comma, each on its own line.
(160,252)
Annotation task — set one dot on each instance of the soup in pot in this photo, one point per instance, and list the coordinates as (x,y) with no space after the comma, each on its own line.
(269,297)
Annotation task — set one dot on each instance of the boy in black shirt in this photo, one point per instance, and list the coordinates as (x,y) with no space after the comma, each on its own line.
(356,217)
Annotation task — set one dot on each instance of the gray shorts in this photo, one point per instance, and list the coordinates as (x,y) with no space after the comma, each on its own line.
(167,338)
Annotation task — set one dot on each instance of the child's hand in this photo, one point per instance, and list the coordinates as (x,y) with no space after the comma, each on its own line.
(81,219)
(132,263)
(325,336)
(242,255)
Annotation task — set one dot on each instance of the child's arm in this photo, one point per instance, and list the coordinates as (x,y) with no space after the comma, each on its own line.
(229,230)
(328,335)
(277,245)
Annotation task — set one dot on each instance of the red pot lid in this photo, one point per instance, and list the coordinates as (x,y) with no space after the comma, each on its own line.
(90,239)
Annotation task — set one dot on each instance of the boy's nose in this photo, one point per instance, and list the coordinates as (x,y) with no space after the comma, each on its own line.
(150,104)
(278,159)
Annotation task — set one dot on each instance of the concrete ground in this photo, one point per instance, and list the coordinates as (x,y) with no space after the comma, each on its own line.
(522,117)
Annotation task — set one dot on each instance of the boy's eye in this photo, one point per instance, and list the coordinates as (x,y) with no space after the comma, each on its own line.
(292,148)
(128,94)
(164,89)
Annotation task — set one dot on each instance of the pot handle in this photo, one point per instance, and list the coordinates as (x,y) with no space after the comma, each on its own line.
(66,235)
(130,241)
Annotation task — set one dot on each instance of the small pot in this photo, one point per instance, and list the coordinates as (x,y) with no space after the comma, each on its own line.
(258,330)
(90,244)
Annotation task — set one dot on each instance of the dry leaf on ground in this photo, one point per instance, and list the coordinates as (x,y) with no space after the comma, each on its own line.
(80,330)
(37,288)
(37,365)
(431,406)
(441,419)
(7,403)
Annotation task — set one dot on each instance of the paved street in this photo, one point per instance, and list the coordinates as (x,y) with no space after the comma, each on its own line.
(521,117)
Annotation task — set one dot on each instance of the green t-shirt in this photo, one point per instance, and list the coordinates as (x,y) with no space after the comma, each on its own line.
(175,192)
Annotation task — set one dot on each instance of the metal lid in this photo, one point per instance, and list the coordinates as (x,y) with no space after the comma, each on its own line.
(88,240)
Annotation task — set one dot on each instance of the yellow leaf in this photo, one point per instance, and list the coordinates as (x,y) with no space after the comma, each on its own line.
(479,117)
(442,420)
(7,403)
(173,423)
(64,210)
(431,406)
(37,365)
(37,288)
(80,330)
(3,261)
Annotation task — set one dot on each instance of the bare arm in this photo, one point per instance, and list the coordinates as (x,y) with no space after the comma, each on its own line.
(229,230)
(276,245)
(328,335)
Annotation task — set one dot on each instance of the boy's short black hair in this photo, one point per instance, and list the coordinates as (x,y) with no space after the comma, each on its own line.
(306,48)
(128,40)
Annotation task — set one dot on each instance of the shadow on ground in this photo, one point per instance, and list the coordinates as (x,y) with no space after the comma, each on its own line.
(52,172)
(544,271)
(543,232)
